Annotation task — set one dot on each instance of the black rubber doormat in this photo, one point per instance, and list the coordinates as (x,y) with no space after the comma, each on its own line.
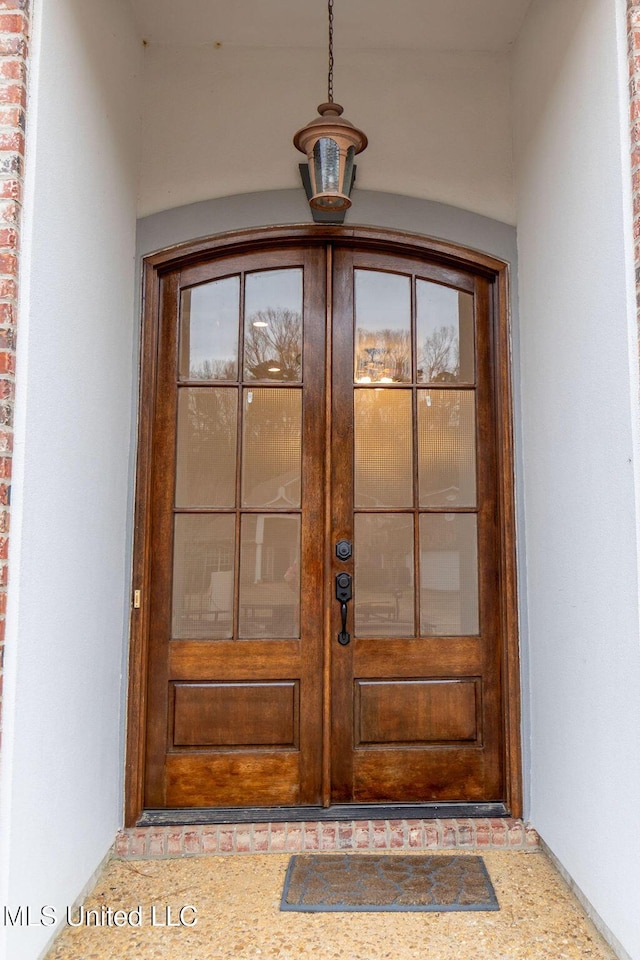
(369,882)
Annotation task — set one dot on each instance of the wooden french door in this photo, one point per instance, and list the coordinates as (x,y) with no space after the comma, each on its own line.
(416,694)
(323,412)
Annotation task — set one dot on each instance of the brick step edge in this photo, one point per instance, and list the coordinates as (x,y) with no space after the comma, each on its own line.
(155,843)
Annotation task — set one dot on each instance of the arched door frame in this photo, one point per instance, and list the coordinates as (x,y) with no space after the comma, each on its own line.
(441,252)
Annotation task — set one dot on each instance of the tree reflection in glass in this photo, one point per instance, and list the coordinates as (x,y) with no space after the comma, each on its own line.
(209,330)
(273,325)
(273,345)
(383,327)
(444,334)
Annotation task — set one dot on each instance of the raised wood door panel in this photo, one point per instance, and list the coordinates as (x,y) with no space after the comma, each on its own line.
(416,696)
(235,653)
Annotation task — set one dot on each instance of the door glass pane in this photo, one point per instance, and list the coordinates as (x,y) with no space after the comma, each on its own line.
(444,334)
(209,321)
(269,576)
(203,562)
(383,583)
(383,448)
(271,447)
(273,325)
(206,452)
(446,448)
(383,327)
(448,574)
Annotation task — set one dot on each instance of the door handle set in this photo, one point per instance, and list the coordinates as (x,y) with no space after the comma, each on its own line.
(343,595)
(344,591)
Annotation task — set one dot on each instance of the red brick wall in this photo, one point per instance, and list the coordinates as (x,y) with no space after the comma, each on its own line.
(14,39)
(633,32)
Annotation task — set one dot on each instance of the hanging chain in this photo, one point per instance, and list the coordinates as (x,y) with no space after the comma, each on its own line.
(330,77)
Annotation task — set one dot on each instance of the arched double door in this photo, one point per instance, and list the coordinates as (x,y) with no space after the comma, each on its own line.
(321,549)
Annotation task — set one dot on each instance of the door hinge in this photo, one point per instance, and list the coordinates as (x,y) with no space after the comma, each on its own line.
(136,599)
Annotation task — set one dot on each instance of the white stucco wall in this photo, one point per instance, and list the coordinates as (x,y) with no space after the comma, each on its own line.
(220,121)
(67,620)
(578,363)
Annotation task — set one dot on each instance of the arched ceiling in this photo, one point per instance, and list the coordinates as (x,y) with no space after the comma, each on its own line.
(490,25)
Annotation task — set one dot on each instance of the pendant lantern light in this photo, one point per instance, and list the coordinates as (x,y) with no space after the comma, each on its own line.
(330,142)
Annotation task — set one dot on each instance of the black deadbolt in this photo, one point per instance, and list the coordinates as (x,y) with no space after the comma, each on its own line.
(343,550)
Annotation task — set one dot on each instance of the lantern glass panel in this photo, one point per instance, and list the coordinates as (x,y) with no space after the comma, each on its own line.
(326,159)
(348,171)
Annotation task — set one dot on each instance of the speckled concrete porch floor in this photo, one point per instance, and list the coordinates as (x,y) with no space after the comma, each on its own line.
(238,916)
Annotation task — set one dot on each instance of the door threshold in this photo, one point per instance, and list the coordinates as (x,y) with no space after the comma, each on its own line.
(196,816)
